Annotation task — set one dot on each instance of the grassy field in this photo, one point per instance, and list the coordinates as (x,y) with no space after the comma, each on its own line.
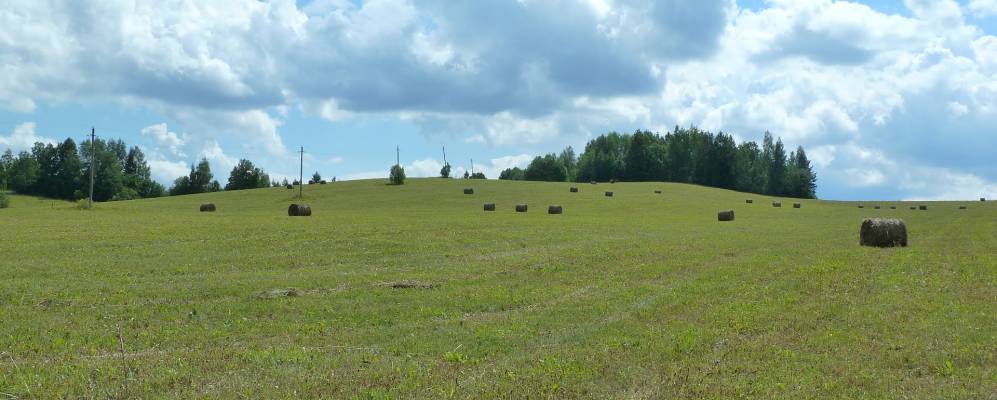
(415,292)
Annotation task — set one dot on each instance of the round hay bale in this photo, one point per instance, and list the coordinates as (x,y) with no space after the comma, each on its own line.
(321,182)
(776,204)
(657,191)
(611,181)
(881,232)
(208,207)
(749,201)
(609,194)
(468,191)
(913,208)
(489,206)
(290,186)
(893,207)
(593,182)
(726,215)
(299,210)
(796,205)
(962,207)
(876,207)
(861,206)
(521,208)
(983,199)
(922,208)
(573,189)
(555,210)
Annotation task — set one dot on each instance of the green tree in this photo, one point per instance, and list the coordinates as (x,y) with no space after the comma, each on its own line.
(247,176)
(445,171)
(23,173)
(513,174)
(777,170)
(397,175)
(547,168)
(108,171)
(200,180)
(478,175)
(316,177)
(6,169)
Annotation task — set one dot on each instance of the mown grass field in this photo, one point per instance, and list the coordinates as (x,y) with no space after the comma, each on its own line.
(635,296)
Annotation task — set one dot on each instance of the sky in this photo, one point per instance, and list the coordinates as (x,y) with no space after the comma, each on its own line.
(890,99)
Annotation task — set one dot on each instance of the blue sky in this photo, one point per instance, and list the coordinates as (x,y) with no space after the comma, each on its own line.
(891,99)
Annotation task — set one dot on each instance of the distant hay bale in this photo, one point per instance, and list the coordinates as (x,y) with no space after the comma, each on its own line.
(776,204)
(749,201)
(861,206)
(321,182)
(983,199)
(489,206)
(796,205)
(657,191)
(299,210)
(208,207)
(962,207)
(913,208)
(290,186)
(555,210)
(893,207)
(521,208)
(880,232)
(573,189)
(922,207)
(726,215)
(593,182)
(612,181)
(876,207)
(468,191)
(609,194)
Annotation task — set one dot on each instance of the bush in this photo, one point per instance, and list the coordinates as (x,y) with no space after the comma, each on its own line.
(4,200)
(83,204)
(397,176)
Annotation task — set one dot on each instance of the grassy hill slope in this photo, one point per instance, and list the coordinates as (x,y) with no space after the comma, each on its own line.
(414,291)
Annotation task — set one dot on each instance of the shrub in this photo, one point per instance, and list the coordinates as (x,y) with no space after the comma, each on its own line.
(4,200)
(397,175)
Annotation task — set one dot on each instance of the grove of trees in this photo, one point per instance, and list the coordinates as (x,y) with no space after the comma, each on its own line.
(686,155)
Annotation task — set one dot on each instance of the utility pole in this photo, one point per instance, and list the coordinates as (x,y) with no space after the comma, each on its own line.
(93,160)
(472,166)
(301,174)
(444,155)
(398,156)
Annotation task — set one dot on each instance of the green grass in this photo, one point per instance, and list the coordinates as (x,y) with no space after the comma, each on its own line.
(635,296)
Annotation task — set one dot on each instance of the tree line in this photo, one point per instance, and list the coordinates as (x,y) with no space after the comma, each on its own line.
(62,171)
(685,155)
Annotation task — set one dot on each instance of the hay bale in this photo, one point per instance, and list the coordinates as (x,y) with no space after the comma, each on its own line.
(796,205)
(609,194)
(983,199)
(321,182)
(726,215)
(876,207)
(611,181)
(776,204)
(299,210)
(893,207)
(573,189)
(861,206)
(922,207)
(521,207)
(468,191)
(489,206)
(657,191)
(208,207)
(593,182)
(555,210)
(880,232)
(913,208)
(290,186)
(749,201)
(962,207)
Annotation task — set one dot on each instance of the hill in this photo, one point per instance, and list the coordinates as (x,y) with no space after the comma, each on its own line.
(414,291)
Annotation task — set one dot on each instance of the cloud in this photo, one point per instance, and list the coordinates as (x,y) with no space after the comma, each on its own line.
(983,8)
(165,171)
(23,137)
(164,137)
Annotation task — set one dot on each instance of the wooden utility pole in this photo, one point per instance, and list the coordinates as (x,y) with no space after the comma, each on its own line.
(472,166)
(398,156)
(93,160)
(301,173)
(444,155)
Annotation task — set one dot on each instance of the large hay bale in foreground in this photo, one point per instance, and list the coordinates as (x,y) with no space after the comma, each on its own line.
(881,232)
(521,208)
(609,194)
(726,215)
(796,205)
(573,189)
(776,204)
(468,191)
(299,210)
(749,201)
(555,210)
(922,208)
(489,206)
(208,207)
